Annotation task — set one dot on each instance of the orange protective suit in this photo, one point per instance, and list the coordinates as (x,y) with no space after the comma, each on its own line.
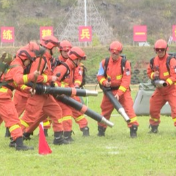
(38,105)
(67,111)
(120,85)
(20,100)
(8,111)
(163,94)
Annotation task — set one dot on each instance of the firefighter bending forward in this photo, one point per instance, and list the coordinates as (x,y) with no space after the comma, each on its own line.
(15,79)
(119,84)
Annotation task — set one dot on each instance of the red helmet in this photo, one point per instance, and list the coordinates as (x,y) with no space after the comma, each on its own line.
(30,51)
(162,44)
(116,46)
(65,45)
(76,53)
(49,42)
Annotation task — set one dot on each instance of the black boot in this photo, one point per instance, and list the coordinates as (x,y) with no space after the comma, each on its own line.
(85,131)
(67,136)
(21,146)
(46,132)
(12,143)
(154,129)
(101,131)
(26,136)
(59,139)
(133,131)
(7,133)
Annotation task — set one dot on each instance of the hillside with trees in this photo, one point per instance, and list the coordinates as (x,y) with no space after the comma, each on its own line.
(121,15)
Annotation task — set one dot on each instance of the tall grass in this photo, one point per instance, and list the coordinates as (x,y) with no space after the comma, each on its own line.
(116,154)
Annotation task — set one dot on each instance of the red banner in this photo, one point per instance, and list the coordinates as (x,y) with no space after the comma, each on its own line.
(7,34)
(85,33)
(46,31)
(174,32)
(140,33)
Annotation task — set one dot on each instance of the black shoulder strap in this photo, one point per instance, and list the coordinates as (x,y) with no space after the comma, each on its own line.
(151,63)
(168,62)
(123,62)
(67,72)
(106,66)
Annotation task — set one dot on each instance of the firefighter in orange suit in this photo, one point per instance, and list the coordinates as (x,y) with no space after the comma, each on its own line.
(15,78)
(158,70)
(75,55)
(120,86)
(39,105)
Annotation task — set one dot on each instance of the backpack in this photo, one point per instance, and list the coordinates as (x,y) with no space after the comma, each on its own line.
(5,61)
(171,55)
(56,63)
(123,62)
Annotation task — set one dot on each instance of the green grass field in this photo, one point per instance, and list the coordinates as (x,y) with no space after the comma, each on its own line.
(116,154)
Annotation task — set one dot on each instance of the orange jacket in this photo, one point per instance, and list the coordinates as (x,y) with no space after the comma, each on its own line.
(78,76)
(15,75)
(62,70)
(45,68)
(122,81)
(78,72)
(164,74)
(62,58)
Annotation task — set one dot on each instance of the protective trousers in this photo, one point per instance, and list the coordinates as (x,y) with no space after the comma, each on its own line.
(40,105)
(9,115)
(69,112)
(157,101)
(126,101)
(20,100)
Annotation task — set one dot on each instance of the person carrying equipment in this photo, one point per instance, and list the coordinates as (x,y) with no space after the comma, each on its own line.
(13,78)
(117,80)
(162,72)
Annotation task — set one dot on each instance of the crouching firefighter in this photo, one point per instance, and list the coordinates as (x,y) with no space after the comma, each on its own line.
(115,74)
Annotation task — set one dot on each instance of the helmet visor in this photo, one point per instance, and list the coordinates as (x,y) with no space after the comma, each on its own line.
(77,55)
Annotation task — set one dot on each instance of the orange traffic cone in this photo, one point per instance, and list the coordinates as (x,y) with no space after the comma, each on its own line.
(44,148)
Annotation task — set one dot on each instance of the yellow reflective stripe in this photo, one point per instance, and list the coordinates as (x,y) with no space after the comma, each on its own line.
(77,81)
(101,80)
(134,119)
(169,81)
(25,78)
(47,123)
(14,127)
(45,78)
(119,77)
(79,118)
(23,87)
(154,119)
(60,120)
(63,84)
(174,119)
(166,73)
(24,123)
(151,76)
(3,89)
(55,84)
(15,83)
(65,118)
(122,88)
